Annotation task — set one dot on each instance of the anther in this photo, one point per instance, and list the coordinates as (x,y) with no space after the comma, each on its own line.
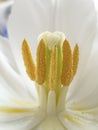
(28,60)
(53,69)
(66,76)
(41,64)
(75,59)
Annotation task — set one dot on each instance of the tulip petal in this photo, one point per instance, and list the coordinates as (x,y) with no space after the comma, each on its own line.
(76,122)
(96,4)
(6,49)
(21,121)
(84,93)
(78,21)
(13,88)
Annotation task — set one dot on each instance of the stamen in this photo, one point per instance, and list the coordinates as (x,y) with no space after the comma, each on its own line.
(53,69)
(75,59)
(56,64)
(41,64)
(66,76)
(28,60)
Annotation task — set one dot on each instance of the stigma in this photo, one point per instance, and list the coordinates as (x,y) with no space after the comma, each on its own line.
(56,62)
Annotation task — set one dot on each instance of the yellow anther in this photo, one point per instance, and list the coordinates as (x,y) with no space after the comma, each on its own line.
(41,64)
(28,60)
(53,69)
(75,59)
(66,76)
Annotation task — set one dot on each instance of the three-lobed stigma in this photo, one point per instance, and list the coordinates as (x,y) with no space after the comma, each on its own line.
(56,63)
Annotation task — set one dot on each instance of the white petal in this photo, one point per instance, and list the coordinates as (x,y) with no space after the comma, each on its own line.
(96,4)
(21,121)
(84,93)
(78,21)
(12,86)
(6,49)
(75,122)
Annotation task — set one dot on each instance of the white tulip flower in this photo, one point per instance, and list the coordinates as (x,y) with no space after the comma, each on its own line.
(58,89)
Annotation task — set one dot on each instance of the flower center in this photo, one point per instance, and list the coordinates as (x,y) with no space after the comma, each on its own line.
(56,66)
